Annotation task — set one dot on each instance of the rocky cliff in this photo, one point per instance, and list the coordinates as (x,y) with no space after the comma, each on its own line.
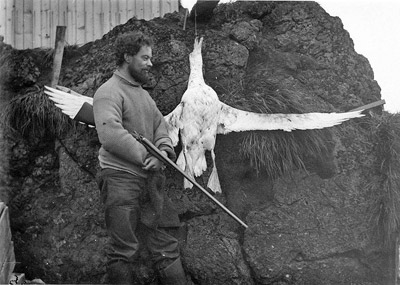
(306,195)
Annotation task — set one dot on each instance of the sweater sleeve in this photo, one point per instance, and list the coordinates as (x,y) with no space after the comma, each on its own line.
(161,138)
(113,137)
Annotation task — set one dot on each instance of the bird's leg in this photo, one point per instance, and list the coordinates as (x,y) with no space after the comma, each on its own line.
(213,181)
(183,164)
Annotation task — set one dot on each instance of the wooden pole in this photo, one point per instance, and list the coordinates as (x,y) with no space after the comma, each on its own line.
(58,54)
(369,106)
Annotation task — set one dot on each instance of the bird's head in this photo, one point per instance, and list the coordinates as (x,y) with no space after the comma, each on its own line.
(197,44)
(195,55)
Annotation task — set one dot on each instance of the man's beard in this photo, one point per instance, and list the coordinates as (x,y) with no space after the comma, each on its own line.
(140,76)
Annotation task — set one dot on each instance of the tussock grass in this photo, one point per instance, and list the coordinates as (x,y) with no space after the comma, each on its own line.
(385,132)
(32,114)
(275,152)
(278,153)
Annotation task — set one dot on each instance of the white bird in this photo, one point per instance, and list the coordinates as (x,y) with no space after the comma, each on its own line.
(200,116)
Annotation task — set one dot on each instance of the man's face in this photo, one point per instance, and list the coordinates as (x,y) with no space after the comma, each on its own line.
(140,64)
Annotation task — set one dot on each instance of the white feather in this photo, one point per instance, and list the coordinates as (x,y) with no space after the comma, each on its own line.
(69,103)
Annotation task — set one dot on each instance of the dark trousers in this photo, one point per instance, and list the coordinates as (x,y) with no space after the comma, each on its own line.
(122,193)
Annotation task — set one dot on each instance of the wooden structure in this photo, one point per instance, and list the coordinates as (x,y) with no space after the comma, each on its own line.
(32,23)
(7,257)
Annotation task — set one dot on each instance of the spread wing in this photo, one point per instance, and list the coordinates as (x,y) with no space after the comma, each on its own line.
(173,120)
(75,105)
(235,120)
(69,103)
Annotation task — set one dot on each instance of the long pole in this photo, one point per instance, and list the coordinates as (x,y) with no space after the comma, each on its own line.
(157,153)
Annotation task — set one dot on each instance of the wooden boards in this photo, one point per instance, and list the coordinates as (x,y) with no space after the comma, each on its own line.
(7,257)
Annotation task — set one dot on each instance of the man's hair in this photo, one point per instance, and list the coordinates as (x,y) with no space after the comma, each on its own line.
(130,43)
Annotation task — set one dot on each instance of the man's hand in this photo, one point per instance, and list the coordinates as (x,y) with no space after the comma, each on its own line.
(151,163)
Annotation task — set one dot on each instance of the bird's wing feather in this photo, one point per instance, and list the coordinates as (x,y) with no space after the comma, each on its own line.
(67,90)
(70,104)
(174,123)
(235,120)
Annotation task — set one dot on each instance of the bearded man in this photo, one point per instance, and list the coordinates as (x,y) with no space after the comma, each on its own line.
(121,107)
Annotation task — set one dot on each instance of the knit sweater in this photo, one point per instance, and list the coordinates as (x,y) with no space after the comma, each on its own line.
(121,106)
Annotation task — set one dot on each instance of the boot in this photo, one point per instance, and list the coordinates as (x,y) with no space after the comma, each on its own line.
(120,272)
(173,274)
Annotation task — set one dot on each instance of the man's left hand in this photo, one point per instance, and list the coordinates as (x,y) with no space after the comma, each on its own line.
(152,163)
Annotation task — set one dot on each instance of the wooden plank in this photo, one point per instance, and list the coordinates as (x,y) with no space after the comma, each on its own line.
(151,9)
(80,22)
(106,19)
(37,33)
(5,231)
(130,9)
(3,20)
(17,278)
(114,12)
(45,23)
(147,10)
(5,234)
(139,9)
(28,24)
(123,7)
(2,207)
(97,24)
(70,22)
(58,54)
(165,7)
(8,266)
(19,24)
(4,250)
(53,20)
(9,35)
(62,13)
(89,21)
(32,23)
(174,6)
(155,9)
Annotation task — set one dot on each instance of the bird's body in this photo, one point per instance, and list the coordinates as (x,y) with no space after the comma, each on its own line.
(200,116)
(196,119)
(198,128)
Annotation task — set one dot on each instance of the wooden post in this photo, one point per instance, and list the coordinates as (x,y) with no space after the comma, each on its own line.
(58,54)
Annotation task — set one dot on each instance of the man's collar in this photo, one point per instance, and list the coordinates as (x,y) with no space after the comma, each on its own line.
(128,80)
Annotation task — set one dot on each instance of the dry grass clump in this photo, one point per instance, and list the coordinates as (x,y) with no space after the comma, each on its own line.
(278,152)
(32,114)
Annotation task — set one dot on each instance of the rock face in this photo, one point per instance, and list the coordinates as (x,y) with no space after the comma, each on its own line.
(309,225)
